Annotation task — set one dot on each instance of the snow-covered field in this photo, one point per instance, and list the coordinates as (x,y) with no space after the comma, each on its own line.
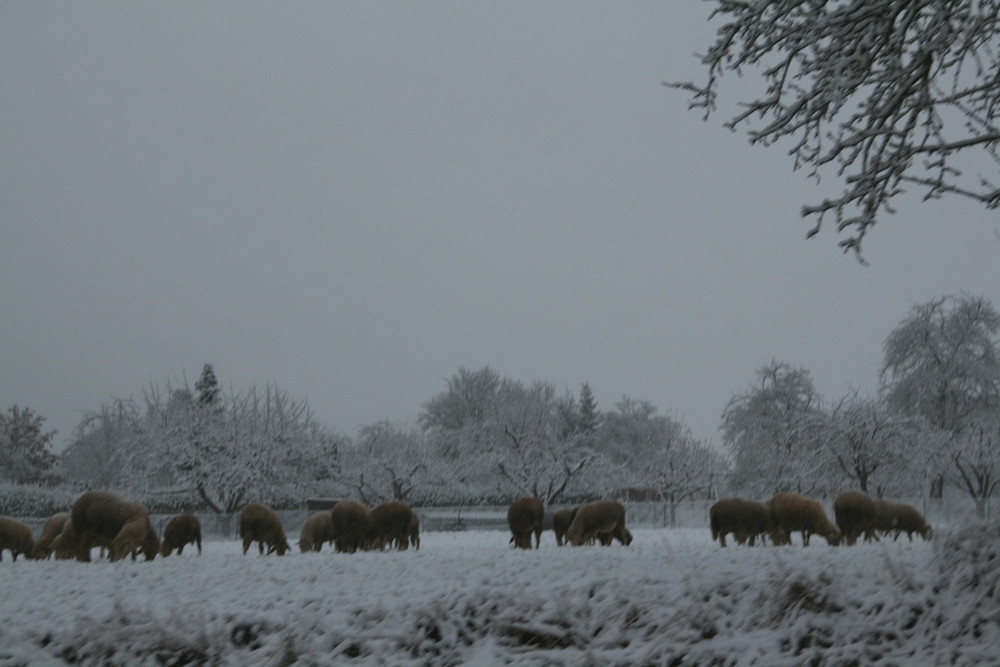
(671,598)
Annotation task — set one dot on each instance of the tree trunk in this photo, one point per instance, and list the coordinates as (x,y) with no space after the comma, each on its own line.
(981,506)
(937,487)
(208,501)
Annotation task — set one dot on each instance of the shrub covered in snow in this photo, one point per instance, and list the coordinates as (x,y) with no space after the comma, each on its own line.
(671,598)
(32,500)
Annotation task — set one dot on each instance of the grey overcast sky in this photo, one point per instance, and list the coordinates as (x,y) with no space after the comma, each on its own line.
(352,199)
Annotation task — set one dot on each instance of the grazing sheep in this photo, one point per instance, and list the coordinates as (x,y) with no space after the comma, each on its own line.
(351,520)
(747,520)
(50,531)
(898,518)
(884,520)
(524,517)
(102,518)
(794,511)
(415,531)
(16,537)
(316,530)
(603,520)
(909,521)
(390,526)
(259,523)
(561,521)
(855,514)
(181,530)
(64,546)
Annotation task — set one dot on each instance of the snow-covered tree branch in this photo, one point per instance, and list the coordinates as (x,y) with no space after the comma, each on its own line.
(884,94)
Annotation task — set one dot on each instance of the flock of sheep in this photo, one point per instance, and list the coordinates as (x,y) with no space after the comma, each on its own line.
(856,514)
(123,528)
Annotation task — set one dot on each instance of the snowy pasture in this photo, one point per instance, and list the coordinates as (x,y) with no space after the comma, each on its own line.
(671,598)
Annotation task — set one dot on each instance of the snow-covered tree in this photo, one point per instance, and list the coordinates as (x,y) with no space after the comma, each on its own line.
(589,415)
(656,452)
(495,437)
(974,454)
(767,429)
(389,462)
(883,94)
(25,454)
(872,448)
(467,400)
(207,386)
(530,446)
(242,447)
(942,363)
(106,451)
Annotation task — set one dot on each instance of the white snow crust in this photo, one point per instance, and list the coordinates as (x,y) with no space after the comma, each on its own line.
(671,598)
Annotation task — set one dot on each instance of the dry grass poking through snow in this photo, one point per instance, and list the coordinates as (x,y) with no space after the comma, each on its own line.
(672,598)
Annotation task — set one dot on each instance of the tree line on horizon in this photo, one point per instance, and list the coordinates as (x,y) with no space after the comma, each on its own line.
(486,438)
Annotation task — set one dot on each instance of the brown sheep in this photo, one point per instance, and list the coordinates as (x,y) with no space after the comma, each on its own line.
(390,525)
(603,520)
(64,546)
(794,511)
(259,523)
(855,514)
(316,530)
(884,521)
(900,518)
(102,518)
(524,517)
(561,521)
(181,530)
(16,537)
(50,531)
(747,520)
(351,520)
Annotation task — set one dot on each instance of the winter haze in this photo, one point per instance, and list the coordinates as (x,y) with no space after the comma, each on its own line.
(354,199)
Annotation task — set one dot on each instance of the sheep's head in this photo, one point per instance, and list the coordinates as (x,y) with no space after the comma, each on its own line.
(279,546)
(150,545)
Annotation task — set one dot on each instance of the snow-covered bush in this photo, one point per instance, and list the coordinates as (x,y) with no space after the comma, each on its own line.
(31,500)
(672,597)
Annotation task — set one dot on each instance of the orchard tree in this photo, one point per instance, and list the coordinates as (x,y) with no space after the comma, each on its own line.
(942,363)
(24,445)
(389,462)
(466,401)
(767,429)
(883,94)
(657,452)
(871,447)
(975,459)
(107,449)
(531,447)
(251,443)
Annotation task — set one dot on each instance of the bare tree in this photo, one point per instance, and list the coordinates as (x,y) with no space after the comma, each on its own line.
(870,446)
(105,447)
(241,446)
(24,446)
(975,460)
(942,363)
(883,93)
(767,431)
(389,462)
(531,448)
(465,402)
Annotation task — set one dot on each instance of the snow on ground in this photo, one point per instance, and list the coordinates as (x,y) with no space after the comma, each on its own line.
(671,598)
